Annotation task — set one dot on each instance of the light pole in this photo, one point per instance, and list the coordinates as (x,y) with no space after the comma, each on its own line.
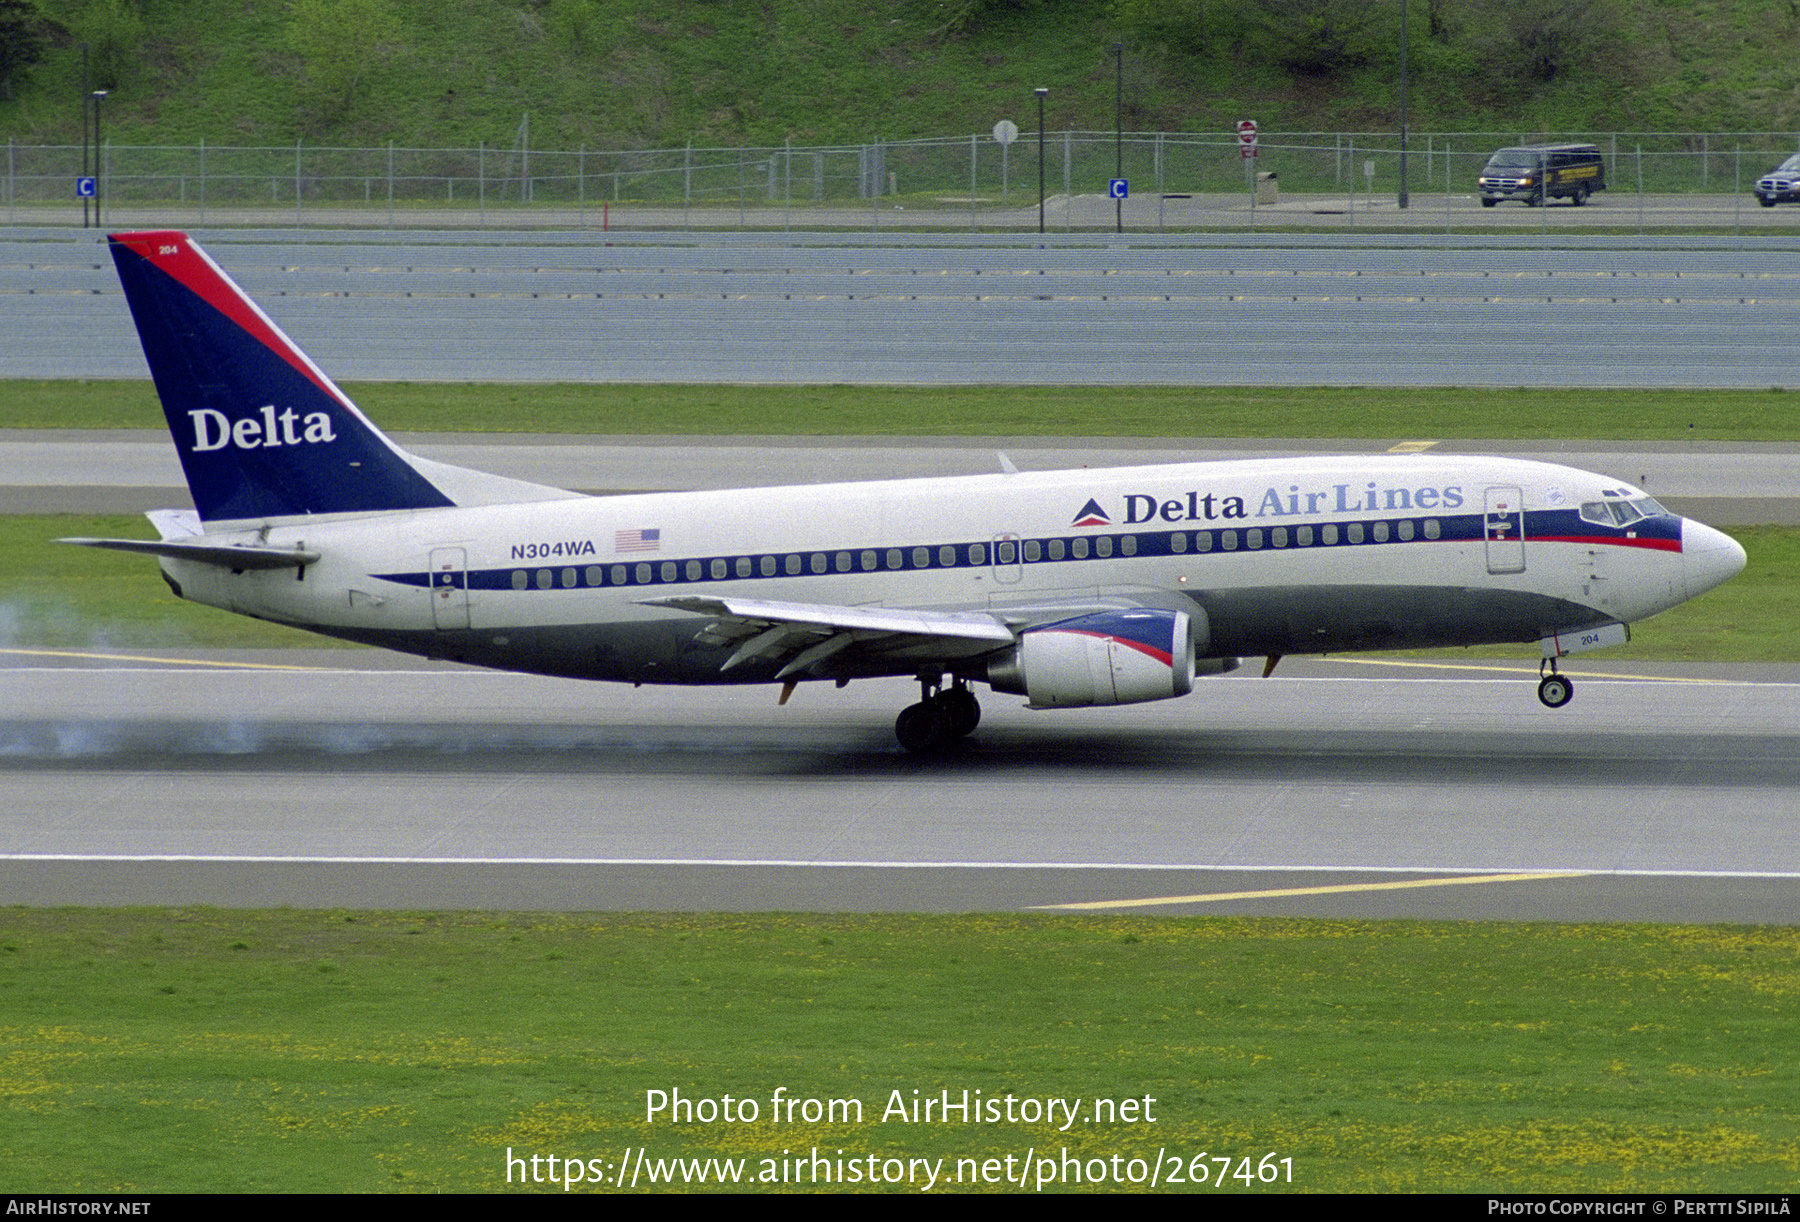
(99,160)
(1118,131)
(1042,93)
(1403,104)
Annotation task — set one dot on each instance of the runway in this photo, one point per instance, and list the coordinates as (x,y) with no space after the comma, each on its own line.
(1507,310)
(119,471)
(348,779)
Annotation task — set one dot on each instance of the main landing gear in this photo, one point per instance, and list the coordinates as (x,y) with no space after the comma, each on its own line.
(1553,689)
(939,719)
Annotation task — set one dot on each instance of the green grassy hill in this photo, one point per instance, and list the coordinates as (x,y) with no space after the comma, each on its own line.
(660,73)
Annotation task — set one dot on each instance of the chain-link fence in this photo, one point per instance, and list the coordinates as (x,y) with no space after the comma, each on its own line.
(969,174)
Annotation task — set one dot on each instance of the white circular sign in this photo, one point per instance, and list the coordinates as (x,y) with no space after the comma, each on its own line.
(1006,131)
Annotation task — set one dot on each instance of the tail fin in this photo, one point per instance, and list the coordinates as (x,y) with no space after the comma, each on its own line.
(261,431)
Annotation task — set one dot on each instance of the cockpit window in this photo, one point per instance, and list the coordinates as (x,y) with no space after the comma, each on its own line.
(1620,513)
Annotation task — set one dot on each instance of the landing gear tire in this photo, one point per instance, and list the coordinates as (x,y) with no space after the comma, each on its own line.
(962,712)
(1555,691)
(924,728)
(1489,203)
(1581,195)
(939,720)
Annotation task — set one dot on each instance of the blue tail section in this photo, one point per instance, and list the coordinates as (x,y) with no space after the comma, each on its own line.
(261,431)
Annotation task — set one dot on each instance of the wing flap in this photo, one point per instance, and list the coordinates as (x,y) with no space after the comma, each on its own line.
(815,638)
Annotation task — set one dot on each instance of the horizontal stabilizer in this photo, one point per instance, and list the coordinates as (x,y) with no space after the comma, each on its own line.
(225,555)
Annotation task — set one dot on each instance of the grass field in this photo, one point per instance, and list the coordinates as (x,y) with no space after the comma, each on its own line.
(291,1051)
(987,411)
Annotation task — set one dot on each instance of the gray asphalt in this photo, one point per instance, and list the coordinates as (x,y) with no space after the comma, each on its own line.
(79,471)
(1667,796)
(1509,310)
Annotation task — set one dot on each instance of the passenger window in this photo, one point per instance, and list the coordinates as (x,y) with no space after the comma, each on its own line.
(520,580)
(1078,547)
(693,570)
(1303,536)
(921,557)
(1056,549)
(718,570)
(792,565)
(1381,532)
(568,579)
(618,574)
(1228,540)
(1103,545)
(1432,529)
(743,566)
(1128,545)
(544,579)
(1354,532)
(1178,543)
(947,556)
(643,574)
(1278,536)
(668,570)
(977,553)
(818,562)
(1406,531)
(1033,550)
(894,559)
(1203,541)
(1253,538)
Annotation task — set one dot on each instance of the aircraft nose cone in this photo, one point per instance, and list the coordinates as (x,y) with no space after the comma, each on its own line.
(1709,557)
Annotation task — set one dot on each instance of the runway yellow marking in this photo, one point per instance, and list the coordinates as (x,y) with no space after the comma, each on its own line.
(1411,447)
(1340,889)
(130,657)
(1526,669)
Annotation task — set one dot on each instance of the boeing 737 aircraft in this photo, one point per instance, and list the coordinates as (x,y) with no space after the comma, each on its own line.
(1070,588)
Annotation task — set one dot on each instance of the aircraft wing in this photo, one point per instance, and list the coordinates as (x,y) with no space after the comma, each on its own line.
(817,639)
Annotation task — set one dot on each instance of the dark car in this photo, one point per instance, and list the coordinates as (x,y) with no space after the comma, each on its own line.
(1536,172)
(1780,185)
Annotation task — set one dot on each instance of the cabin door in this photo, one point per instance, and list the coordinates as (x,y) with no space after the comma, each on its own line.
(1504,525)
(449,587)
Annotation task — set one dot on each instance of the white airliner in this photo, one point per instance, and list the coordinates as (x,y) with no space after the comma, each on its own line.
(1070,588)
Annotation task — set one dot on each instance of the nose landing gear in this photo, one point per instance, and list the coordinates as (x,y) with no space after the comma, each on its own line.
(1553,689)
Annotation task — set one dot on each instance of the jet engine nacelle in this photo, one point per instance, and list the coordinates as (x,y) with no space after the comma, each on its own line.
(1108,657)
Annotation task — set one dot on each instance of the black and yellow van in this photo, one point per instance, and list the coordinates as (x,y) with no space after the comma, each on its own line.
(1536,172)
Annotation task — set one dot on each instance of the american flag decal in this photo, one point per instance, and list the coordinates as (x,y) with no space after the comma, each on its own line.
(649,540)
